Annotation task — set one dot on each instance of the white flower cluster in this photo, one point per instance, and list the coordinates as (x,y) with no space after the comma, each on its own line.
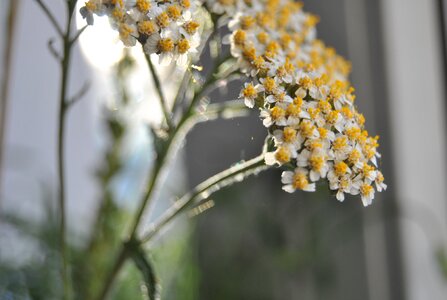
(164,27)
(306,101)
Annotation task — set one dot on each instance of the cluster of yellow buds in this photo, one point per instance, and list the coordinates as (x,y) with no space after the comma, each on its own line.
(306,101)
(164,27)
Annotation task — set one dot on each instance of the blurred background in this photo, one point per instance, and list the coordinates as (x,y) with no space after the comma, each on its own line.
(257,242)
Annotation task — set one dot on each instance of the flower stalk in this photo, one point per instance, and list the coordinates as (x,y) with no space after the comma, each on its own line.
(64,104)
(158,88)
(204,190)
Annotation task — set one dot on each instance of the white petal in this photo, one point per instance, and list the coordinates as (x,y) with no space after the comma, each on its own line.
(310,188)
(340,196)
(270,158)
(249,102)
(289,188)
(314,176)
(287,177)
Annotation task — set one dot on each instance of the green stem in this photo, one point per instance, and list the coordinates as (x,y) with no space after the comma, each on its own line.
(159,165)
(176,135)
(50,17)
(209,186)
(181,90)
(65,65)
(63,107)
(157,83)
(119,262)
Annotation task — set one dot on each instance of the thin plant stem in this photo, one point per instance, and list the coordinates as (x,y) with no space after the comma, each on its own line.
(208,187)
(7,60)
(65,66)
(160,162)
(118,263)
(67,44)
(187,121)
(51,17)
(181,90)
(157,83)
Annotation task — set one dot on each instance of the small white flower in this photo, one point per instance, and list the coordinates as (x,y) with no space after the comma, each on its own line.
(297,180)
(249,93)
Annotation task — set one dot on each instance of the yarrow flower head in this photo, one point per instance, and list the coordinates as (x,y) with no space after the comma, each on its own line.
(300,85)
(302,89)
(165,27)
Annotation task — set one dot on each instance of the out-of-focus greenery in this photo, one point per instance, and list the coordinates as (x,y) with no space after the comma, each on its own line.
(171,262)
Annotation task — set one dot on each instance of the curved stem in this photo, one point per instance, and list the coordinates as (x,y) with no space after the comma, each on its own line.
(65,65)
(205,189)
(51,17)
(179,131)
(163,103)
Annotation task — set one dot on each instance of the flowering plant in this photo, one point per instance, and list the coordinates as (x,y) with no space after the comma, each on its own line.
(299,86)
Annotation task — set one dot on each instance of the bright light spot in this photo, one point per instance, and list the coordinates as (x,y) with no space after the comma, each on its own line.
(102,49)
(99,43)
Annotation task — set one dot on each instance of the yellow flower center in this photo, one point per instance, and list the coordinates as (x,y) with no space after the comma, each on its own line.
(258,62)
(324,106)
(293,110)
(247,22)
(191,27)
(300,181)
(263,37)
(183,46)
(366,189)
(226,2)
(282,155)
(346,111)
(143,5)
(340,169)
(354,156)
(289,134)
(313,112)
(353,133)
(367,170)
(315,145)
(118,14)
(360,119)
(306,129)
(380,177)
(305,82)
(269,85)
(239,37)
(316,162)
(277,113)
(332,117)
(163,20)
(249,91)
(298,101)
(125,31)
(174,12)
(340,143)
(323,132)
(147,27)
(90,5)
(165,45)
(249,53)
(185,3)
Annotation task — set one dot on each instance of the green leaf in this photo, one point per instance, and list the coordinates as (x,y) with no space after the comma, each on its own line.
(143,264)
